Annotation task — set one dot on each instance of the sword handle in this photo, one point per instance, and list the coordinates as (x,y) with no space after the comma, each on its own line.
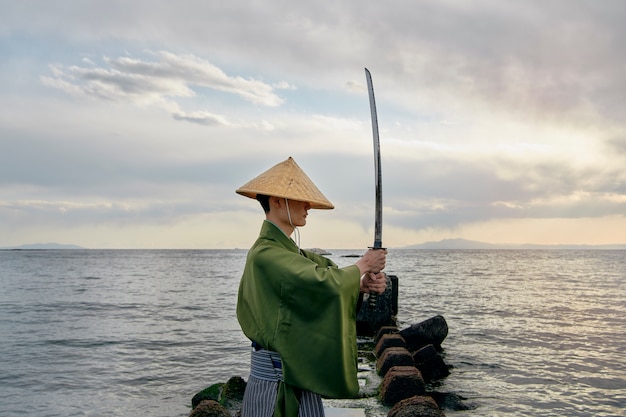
(373,297)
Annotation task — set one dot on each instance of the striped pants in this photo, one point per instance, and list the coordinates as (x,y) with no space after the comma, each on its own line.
(259,400)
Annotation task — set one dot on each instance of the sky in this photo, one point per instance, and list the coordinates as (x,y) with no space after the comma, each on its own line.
(130,124)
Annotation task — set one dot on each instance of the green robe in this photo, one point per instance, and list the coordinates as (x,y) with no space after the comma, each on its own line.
(302,306)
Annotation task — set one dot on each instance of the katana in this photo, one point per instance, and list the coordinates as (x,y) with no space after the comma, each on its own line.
(378,179)
(378,223)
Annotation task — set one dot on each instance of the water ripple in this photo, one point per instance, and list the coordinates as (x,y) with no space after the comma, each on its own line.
(530,332)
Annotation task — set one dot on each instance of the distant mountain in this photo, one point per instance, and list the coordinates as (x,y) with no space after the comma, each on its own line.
(33,246)
(472,244)
(453,244)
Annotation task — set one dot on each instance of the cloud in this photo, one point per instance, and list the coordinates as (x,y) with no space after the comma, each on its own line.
(160,82)
(202,118)
(557,62)
(617,145)
(489,112)
(284,85)
(355,86)
(444,190)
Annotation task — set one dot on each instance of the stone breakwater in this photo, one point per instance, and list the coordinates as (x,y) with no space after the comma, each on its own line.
(398,368)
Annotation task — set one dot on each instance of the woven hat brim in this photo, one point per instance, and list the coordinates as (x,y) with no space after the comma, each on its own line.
(286,180)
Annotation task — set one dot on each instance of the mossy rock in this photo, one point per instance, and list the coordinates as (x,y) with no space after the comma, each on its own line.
(210,408)
(210,393)
(232,392)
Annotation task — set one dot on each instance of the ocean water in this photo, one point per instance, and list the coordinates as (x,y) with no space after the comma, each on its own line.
(128,332)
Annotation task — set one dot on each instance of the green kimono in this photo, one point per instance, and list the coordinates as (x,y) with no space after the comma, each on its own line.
(302,306)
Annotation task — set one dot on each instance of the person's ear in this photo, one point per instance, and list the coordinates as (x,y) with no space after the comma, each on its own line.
(276,202)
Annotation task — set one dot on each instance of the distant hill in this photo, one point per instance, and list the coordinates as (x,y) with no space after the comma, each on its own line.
(33,246)
(472,244)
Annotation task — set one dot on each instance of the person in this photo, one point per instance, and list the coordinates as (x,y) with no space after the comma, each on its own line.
(297,307)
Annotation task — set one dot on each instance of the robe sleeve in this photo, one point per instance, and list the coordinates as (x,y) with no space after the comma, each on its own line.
(316,329)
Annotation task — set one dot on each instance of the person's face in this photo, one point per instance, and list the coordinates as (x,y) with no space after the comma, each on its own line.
(279,214)
(298,210)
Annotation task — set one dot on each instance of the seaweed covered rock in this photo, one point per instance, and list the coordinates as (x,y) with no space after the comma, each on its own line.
(393,356)
(232,392)
(385,330)
(210,393)
(399,383)
(228,395)
(387,341)
(209,408)
(418,406)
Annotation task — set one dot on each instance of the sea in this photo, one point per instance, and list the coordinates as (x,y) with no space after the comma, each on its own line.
(139,332)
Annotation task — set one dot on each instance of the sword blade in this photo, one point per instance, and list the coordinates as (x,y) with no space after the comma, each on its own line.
(378,224)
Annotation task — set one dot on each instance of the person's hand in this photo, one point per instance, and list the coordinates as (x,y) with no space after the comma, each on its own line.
(373,283)
(372,261)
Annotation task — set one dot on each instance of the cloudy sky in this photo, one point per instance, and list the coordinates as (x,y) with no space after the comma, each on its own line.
(129,124)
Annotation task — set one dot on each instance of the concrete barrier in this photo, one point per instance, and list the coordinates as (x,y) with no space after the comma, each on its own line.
(393,356)
(401,382)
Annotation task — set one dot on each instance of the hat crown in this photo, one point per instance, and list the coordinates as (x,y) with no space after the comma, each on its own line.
(286,180)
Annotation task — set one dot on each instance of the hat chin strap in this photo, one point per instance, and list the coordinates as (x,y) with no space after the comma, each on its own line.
(295,229)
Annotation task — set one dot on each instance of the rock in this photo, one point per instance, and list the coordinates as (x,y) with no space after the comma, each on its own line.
(232,392)
(319,251)
(428,332)
(424,354)
(373,315)
(401,382)
(394,356)
(430,363)
(418,406)
(229,395)
(385,330)
(387,341)
(209,408)
(451,401)
(210,393)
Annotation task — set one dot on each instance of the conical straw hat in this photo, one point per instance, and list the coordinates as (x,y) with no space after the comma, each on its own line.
(286,180)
